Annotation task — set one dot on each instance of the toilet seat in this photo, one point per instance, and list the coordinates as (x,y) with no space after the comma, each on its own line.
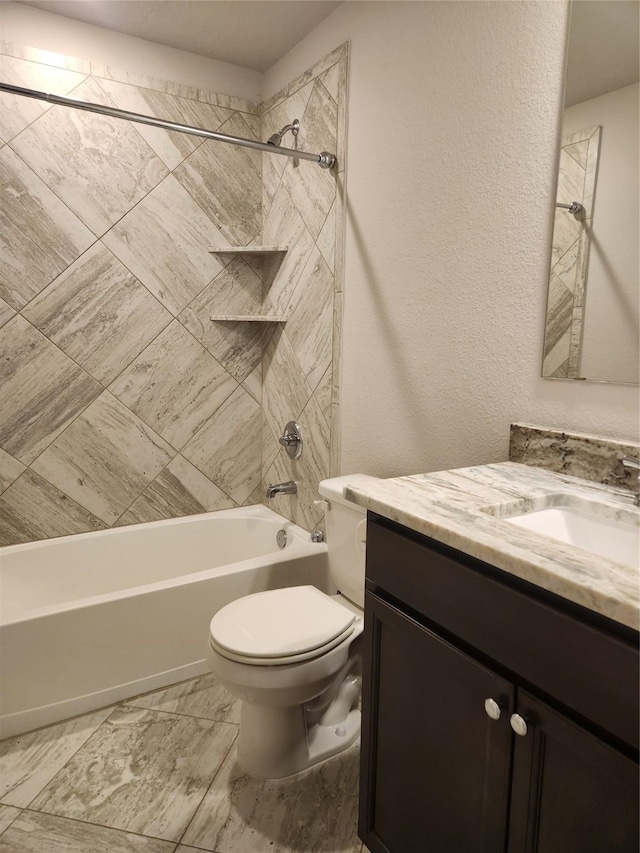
(280,626)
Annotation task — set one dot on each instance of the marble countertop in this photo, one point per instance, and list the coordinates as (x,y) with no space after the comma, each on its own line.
(466,509)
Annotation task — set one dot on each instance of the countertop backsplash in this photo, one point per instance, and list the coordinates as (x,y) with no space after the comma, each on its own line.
(589,457)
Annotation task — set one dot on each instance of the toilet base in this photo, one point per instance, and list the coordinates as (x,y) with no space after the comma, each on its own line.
(276,742)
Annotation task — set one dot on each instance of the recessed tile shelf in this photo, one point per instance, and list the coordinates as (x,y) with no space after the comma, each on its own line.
(249,318)
(248,250)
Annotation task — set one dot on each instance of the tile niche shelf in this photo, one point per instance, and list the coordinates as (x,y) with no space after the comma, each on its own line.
(247,250)
(249,318)
(263,251)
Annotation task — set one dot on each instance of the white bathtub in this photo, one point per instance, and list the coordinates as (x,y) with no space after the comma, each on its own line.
(90,619)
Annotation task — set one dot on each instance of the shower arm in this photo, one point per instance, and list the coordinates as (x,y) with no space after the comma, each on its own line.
(574,207)
(325,160)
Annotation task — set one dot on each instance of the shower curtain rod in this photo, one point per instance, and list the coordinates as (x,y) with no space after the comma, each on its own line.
(325,160)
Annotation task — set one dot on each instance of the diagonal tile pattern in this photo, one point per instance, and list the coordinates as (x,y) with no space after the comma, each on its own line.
(41,390)
(33,832)
(10,470)
(237,346)
(100,167)
(232,201)
(277,118)
(180,489)
(284,226)
(16,112)
(171,147)
(180,428)
(105,459)
(225,446)
(310,325)
(31,508)
(251,815)
(160,770)
(98,313)
(313,190)
(569,254)
(29,762)
(143,771)
(6,312)
(202,697)
(174,385)
(39,236)
(163,241)
(7,815)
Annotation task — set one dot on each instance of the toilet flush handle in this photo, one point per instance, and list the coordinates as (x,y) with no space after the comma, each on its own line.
(323,505)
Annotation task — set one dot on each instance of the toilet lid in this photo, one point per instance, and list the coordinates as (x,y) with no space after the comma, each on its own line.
(281,623)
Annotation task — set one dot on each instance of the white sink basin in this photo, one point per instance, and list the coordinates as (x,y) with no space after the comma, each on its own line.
(615,540)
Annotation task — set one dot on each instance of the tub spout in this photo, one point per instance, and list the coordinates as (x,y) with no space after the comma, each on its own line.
(289,488)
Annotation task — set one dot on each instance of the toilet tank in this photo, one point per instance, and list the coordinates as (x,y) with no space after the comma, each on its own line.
(346,534)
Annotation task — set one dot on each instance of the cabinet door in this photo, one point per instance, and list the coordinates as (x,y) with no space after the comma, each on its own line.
(435,767)
(571,792)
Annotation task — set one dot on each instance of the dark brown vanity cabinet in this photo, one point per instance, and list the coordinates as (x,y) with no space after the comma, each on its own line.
(496,718)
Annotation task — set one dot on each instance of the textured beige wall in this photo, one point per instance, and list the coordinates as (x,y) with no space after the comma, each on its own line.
(454,116)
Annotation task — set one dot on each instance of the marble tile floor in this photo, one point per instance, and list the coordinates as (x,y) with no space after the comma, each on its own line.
(157,774)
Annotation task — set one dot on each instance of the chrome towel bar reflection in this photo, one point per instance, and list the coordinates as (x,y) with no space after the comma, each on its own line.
(325,160)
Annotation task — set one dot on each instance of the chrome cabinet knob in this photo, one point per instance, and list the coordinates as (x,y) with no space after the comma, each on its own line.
(492,708)
(518,724)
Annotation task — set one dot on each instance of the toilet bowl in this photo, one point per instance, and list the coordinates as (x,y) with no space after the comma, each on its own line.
(293,655)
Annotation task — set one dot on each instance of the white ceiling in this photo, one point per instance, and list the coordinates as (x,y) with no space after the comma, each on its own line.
(251,33)
(604,48)
(603,52)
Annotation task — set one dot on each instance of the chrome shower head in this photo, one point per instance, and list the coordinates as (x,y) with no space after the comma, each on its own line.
(276,138)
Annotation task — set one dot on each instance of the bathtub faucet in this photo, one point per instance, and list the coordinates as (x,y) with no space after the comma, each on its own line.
(289,488)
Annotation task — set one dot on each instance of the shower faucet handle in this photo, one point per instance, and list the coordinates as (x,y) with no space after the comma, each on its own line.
(291,440)
(286,440)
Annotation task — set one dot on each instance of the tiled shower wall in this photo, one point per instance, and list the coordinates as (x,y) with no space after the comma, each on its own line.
(577,172)
(120,400)
(303,208)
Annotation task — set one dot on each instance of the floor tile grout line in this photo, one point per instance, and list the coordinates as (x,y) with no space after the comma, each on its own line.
(126,703)
(8,806)
(101,825)
(210,785)
(70,758)
(30,806)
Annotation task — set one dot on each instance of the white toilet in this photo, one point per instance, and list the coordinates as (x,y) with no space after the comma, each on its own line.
(293,655)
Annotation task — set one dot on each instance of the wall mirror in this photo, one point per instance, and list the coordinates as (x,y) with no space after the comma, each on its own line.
(592,327)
